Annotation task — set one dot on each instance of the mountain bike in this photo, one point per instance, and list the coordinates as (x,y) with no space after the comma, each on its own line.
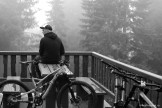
(138,92)
(32,98)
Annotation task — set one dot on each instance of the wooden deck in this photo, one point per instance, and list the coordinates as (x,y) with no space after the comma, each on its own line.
(44,104)
(83,64)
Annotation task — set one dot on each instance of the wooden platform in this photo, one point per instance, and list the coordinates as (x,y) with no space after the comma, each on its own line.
(100,92)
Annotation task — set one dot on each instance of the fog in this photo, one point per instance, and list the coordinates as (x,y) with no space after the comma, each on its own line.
(73,12)
(126,30)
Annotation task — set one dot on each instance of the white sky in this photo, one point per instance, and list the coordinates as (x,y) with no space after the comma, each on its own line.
(42,7)
(70,8)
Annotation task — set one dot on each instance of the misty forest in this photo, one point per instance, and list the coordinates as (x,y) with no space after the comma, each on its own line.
(129,31)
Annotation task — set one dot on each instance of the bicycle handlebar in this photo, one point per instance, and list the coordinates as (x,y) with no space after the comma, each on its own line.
(113,67)
(131,76)
(159,87)
(26,62)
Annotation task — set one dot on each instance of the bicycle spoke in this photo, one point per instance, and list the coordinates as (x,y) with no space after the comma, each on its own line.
(13,94)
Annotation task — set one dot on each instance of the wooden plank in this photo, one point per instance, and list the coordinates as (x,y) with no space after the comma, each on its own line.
(95,68)
(5,62)
(76,66)
(110,96)
(97,89)
(85,66)
(154,77)
(23,66)
(92,67)
(13,65)
(33,67)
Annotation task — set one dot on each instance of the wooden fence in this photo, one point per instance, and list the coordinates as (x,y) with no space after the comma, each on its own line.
(89,64)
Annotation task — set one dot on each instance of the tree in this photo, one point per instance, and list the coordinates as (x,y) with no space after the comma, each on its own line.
(118,28)
(104,26)
(56,19)
(15,17)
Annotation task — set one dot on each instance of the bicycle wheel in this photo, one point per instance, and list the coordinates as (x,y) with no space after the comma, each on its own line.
(76,95)
(10,91)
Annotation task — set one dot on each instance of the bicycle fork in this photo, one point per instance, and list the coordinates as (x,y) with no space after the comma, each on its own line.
(73,97)
(119,95)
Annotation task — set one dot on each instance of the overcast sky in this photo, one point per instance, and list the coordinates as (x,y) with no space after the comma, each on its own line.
(42,7)
(72,10)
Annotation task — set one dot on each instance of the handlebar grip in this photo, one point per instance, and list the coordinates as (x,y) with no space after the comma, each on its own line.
(25,62)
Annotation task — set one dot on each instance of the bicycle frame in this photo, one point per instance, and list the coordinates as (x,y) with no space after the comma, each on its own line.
(39,85)
(58,84)
(142,99)
(147,100)
(141,96)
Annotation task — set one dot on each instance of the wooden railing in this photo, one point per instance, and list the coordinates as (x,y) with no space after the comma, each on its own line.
(101,72)
(89,64)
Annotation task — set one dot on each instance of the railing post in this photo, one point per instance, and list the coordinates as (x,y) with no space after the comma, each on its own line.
(92,67)
(5,62)
(76,65)
(13,64)
(23,67)
(85,66)
(160,100)
(32,67)
(95,64)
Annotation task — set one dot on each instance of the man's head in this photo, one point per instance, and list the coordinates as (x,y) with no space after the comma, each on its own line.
(46,29)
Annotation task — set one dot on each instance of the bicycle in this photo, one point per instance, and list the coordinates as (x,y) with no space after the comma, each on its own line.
(140,89)
(68,89)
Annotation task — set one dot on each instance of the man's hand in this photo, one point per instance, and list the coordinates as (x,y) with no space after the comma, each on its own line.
(37,59)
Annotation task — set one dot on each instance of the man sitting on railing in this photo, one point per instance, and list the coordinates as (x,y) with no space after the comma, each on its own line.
(51,48)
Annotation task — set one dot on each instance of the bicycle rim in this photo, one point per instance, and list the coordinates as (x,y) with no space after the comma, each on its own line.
(11,95)
(76,95)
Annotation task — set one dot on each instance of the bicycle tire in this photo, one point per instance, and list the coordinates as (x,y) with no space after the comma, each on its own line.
(23,87)
(83,101)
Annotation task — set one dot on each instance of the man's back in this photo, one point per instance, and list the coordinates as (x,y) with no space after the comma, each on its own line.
(51,48)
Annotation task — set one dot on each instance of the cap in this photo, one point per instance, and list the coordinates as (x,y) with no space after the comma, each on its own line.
(47,27)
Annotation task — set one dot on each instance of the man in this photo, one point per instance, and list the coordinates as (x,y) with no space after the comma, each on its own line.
(51,51)
(51,48)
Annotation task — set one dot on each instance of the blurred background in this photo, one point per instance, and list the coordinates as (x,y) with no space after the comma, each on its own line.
(126,30)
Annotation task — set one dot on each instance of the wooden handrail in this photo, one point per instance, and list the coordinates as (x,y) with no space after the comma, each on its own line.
(143,73)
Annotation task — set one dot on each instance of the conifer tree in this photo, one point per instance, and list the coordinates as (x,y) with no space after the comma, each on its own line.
(56,18)
(15,17)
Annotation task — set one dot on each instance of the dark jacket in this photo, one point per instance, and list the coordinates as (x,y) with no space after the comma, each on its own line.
(51,48)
